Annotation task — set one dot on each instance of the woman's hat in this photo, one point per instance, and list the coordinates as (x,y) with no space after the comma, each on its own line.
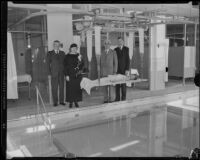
(73,45)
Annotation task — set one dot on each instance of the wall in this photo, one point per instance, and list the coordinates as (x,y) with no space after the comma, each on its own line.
(182,61)
(176,61)
(19,46)
(197,57)
(59,27)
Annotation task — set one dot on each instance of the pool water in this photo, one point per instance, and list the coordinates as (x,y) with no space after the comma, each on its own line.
(167,129)
(161,131)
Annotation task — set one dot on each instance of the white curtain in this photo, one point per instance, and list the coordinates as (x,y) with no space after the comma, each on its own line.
(97,31)
(141,40)
(89,45)
(11,70)
(130,44)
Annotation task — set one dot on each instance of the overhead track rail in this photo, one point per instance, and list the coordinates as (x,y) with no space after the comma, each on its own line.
(110,17)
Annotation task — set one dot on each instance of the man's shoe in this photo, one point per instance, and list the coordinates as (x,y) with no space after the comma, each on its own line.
(105,102)
(116,100)
(76,104)
(62,103)
(55,104)
(112,101)
(70,105)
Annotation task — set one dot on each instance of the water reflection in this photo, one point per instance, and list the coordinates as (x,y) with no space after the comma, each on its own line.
(157,131)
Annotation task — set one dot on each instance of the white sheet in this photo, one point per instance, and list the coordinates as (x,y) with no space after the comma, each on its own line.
(11,70)
(24,78)
(88,84)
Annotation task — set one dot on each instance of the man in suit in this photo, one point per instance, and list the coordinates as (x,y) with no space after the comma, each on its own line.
(55,64)
(108,66)
(123,68)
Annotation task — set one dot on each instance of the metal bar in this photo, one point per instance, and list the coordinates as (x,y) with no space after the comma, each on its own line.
(174,33)
(49,8)
(175,38)
(27,32)
(185,40)
(107,29)
(42,101)
(185,36)
(195,43)
(37,100)
(46,120)
(50,91)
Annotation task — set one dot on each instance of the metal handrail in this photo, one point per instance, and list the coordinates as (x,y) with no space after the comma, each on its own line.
(45,116)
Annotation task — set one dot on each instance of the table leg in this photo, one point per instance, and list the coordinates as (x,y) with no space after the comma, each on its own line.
(183,81)
(109,93)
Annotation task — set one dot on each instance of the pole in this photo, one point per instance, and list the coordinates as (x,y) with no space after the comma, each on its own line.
(185,39)
(195,43)
(98,67)
(98,48)
(37,96)
(50,93)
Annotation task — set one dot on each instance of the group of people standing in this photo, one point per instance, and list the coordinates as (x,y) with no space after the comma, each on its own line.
(115,62)
(69,67)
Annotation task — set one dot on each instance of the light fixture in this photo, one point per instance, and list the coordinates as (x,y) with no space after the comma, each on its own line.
(87,23)
(79,26)
(129,12)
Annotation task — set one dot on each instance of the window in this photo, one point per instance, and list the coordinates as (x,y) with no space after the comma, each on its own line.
(175,33)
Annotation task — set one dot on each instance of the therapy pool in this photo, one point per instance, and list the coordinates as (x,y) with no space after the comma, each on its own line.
(157,129)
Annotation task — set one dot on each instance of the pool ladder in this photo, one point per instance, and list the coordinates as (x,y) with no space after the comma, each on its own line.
(41,110)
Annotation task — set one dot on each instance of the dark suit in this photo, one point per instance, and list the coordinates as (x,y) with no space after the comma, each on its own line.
(55,63)
(123,66)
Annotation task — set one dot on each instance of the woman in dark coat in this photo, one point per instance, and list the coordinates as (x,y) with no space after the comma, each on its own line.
(73,67)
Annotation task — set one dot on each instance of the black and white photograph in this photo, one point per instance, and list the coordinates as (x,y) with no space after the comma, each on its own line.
(102,80)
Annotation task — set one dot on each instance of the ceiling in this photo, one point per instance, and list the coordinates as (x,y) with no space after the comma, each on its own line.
(17,12)
(186,10)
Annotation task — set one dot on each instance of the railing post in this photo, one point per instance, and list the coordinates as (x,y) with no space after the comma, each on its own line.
(37,96)
(50,93)
(50,128)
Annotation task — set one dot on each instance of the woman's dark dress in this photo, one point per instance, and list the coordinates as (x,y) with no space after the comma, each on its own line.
(71,68)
